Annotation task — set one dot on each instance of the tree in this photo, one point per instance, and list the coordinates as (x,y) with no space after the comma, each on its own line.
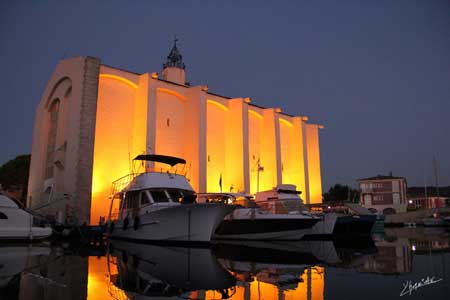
(14,174)
(341,193)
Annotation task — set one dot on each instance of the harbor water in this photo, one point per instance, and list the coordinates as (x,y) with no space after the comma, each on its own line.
(412,263)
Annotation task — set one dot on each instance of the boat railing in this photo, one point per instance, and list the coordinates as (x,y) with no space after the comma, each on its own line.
(124,181)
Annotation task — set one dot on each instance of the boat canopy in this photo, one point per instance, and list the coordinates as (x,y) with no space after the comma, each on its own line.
(169,160)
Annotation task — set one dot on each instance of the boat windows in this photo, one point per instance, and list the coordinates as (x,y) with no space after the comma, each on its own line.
(145,200)
(132,200)
(159,196)
(175,195)
(3,216)
(188,197)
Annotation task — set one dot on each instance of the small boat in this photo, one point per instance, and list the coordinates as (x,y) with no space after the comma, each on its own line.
(160,206)
(285,199)
(251,222)
(357,220)
(433,221)
(18,224)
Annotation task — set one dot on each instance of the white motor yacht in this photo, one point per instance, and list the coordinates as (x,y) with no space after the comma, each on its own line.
(251,222)
(17,223)
(285,199)
(160,206)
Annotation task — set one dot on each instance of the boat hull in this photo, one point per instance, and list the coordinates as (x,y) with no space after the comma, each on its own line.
(323,230)
(354,225)
(180,223)
(265,228)
(25,234)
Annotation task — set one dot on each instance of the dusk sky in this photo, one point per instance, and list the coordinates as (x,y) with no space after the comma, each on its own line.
(375,73)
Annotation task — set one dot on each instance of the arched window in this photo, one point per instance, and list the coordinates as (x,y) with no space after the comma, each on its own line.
(3,216)
(51,140)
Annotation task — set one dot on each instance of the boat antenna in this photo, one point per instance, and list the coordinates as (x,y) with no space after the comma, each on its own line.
(425,181)
(436,177)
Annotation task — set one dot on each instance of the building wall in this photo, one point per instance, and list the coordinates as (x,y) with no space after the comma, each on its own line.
(270,176)
(107,116)
(255,121)
(114,136)
(216,133)
(170,125)
(292,153)
(74,83)
(313,162)
(384,194)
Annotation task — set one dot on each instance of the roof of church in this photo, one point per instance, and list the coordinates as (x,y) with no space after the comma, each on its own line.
(174,59)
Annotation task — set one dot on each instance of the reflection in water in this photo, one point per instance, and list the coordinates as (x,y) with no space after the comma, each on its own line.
(13,261)
(233,270)
(156,271)
(99,285)
(394,257)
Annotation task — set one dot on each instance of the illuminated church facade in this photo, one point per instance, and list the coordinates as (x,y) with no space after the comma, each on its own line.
(93,119)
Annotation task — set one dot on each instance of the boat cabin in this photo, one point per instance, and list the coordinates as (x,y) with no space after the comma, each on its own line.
(151,190)
(283,199)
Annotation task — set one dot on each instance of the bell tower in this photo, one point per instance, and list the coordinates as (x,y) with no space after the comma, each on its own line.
(173,69)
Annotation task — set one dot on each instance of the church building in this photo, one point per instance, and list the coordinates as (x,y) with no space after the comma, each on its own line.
(93,119)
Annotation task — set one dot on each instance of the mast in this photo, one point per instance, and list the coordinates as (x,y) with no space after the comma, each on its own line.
(436,177)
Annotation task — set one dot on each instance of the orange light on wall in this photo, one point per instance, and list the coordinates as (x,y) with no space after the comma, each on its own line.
(234,152)
(172,92)
(268,151)
(256,165)
(216,114)
(286,122)
(170,125)
(313,156)
(118,78)
(113,145)
(218,104)
(255,114)
(289,157)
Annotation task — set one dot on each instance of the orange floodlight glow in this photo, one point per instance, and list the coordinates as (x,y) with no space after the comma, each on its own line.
(171,92)
(255,114)
(119,78)
(218,104)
